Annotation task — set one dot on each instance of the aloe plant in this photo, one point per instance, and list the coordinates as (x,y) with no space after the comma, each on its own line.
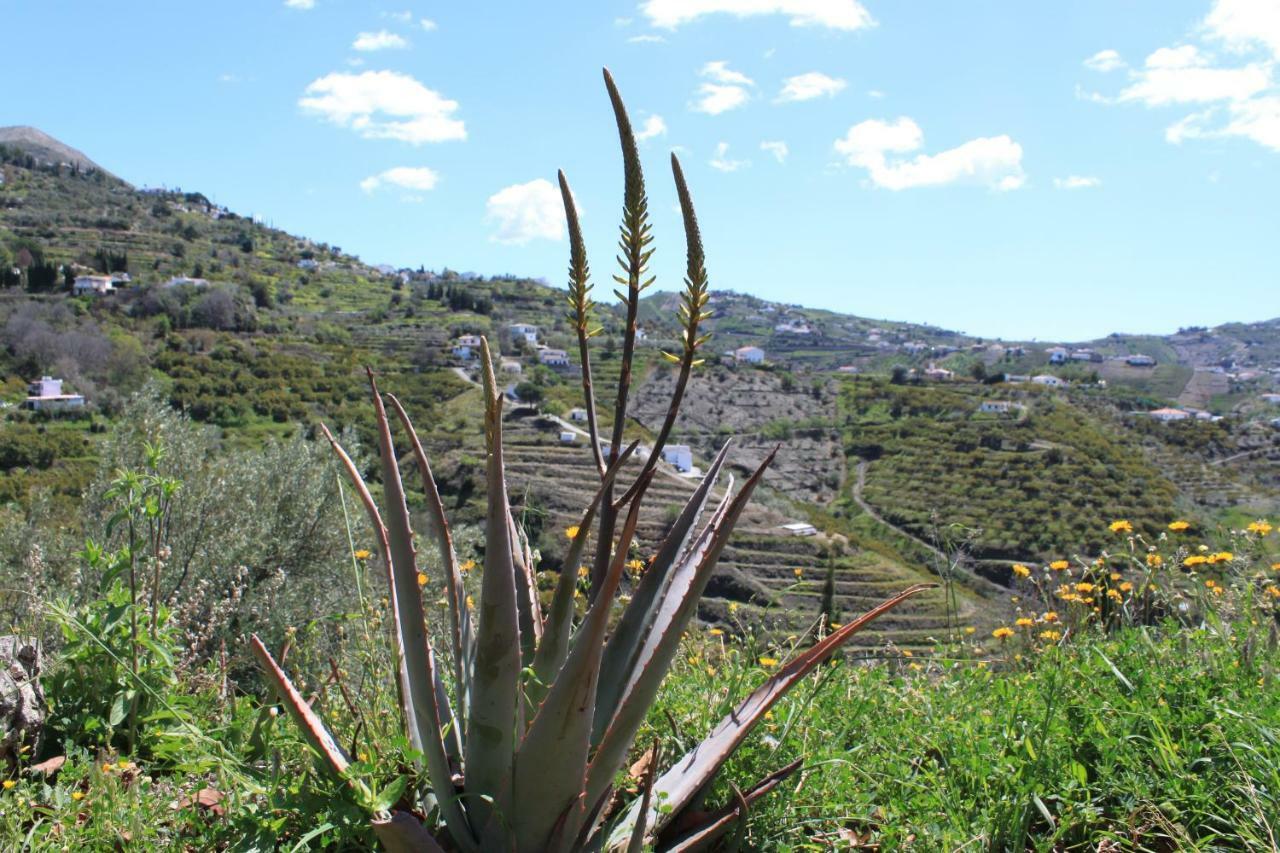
(523,729)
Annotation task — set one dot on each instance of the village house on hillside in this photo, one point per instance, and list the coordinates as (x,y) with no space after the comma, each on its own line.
(1085,355)
(46,396)
(996,407)
(1057,355)
(798,528)
(749,354)
(465,346)
(938,374)
(679,456)
(553,357)
(1139,360)
(1273,399)
(1050,380)
(524,331)
(181,280)
(97,285)
(1166,415)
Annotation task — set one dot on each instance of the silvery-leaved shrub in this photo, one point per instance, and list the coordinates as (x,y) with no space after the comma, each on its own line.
(526,717)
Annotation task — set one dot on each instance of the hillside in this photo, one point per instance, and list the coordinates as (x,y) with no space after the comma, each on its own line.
(259,332)
(45,149)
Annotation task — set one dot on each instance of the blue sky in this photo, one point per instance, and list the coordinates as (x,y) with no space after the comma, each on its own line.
(1056,170)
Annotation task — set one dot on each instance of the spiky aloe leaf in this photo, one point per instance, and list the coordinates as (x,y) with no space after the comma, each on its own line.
(715,825)
(638,618)
(679,784)
(491,728)
(307,720)
(527,608)
(641,829)
(677,607)
(455,593)
(551,765)
(559,624)
(420,700)
(404,833)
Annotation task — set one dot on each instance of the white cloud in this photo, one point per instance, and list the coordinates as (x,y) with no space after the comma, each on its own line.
(653,126)
(875,93)
(1077,182)
(381,40)
(777,148)
(1256,119)
(722,163)
(304,5)
(1104,60)
(835,14)
(647,38)
(406,177)
(524,212)
(384,105)
(1185,75)
(404,16)
(724,90)
(994,162)
(428,25)
(1244,24)
(806,87)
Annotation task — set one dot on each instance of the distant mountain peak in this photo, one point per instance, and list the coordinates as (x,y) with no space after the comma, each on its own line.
(44,147)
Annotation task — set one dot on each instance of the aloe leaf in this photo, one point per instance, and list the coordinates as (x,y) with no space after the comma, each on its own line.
(419,699)
(559,623)
(455,592)
(403,833)
(491,727)
(580,299)
(637,620)
(718,823)
(692,772)
(636,844)
(307,720)
(676,608)
(551,765)
(527,608)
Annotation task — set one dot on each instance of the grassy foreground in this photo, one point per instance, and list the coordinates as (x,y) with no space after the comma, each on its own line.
(1149,739)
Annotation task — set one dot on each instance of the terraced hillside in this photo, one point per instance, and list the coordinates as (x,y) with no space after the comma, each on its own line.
(764,578)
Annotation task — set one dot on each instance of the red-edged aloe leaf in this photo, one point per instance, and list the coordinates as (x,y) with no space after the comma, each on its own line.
(307,720)
(455,592)
(683,780)
(559,624)
(419,700)
(638,833)
(715,825)
(551,766)
(404,833)
(491,727)
(675,609)
(637,620)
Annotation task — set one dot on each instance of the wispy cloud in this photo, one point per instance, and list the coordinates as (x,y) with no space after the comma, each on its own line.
(303,5)
(845,15)
(777,148)
(1104,61)
(418,178)
(525,212)
(721,161)
(723,89)
(384,105)
(806,87)
(994,162)
(381,40)
(646,38)
(1077,182)
(428,25)
(653,126)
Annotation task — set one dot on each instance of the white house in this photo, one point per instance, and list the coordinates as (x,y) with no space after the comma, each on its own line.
(577,414)
(678,455)
(1050,380)
(847,368)
(1085,355)
(308,264)
(1057,355)
(938,374)
(180,280)
(524,331)
(1139,360)
(510,365)
(46,396)
(99,285)
(998,407)
(472,341)
(915,347)
(465,353)
(798,528)
(553,357)
(1273,399)
(1016,377)
(568,437)
(1167,415)
(749,354)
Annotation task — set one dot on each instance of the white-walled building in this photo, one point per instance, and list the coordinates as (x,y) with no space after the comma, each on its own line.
(749,354)
(97,285)
(1139,360)
(524,331)
(180,280)
(679,456)
(1050,380)
(579,415)
(798,528)
(1057,355)
(553,357)
(996,407)
(1167,415)
(46,396)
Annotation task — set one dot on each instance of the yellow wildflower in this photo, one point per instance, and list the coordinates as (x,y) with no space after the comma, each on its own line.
(1021,570)
(768,661)
(716,632)
(422,579)
(1195,560)
(1155,561)
(471,603)
(969,629)
(1126,587)
(1002,633)
(1051,636)
(9,784)
(1084,586)
(1259,527)
(1275,567)
(1273,591)
(1050,616)
(583,571)
(1059,565)
(1179,526)
(1024,622)
(1121,526)
(1115,576)
(636,566)
(1222,557)
(363,554)
(77,795)
(799,572)
(467,566)
(1114,594)
(733,607)
(571,531)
